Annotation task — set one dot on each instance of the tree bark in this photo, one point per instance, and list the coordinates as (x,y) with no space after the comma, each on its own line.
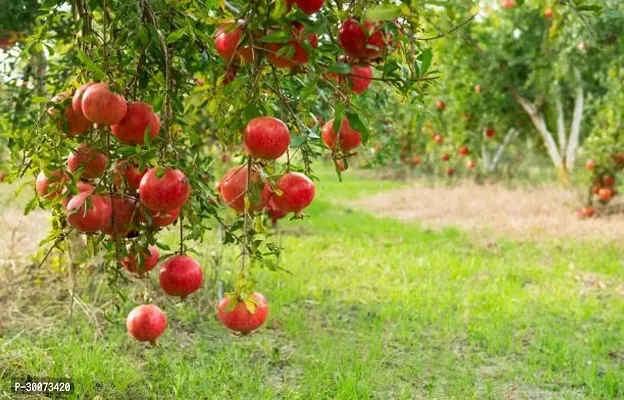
(561,132)
(575,129)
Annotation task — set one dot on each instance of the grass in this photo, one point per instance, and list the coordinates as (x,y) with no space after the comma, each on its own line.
(374,308)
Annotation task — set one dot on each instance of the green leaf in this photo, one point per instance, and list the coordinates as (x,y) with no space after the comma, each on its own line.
(98,73)
(384,12)
(277,37)
(356,123)
(340,68)
(175,36)
(425,61)
(297,141)
(339,112)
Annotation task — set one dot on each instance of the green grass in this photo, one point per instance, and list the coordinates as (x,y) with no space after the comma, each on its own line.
(374,308)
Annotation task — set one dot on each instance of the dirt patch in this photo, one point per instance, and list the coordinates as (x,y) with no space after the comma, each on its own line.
(518,213)
(20,234)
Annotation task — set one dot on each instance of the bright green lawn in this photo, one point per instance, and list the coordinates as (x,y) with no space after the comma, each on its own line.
(374,308)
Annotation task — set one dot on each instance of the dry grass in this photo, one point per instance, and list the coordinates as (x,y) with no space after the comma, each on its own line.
(517,213)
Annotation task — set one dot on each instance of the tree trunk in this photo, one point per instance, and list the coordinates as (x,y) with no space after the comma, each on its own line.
(561,133)
(575,130)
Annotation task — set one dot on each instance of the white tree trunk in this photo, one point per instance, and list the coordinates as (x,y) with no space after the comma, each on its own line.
(540,123)
(561,132)
(575,129)
(509,137)
(485,156)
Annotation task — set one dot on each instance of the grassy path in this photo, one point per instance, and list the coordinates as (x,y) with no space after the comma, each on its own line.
(374,308)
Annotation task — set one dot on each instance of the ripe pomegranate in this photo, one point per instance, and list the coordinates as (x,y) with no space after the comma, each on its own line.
(361,41)
(238,317)
(266,137)
(349,138)
(438,139)
(140,261)
(274,213)
(297,192)
(591,165)
(445,157)
(233,187)
(360,78)
(230,74)
(415,160)
(139,117)
(548,13)
(471,164)
(102,106)
(307,6)
(464,151)
(74,124)
(478,89)
(440,105)
(50,185)
(146,323)
(158,219)
(608,180)
(227,38)
(300,55)
(89,212)
(490,133)
(91,162)
(180,276)
(77,99)
(450,172)
(508,4)
(127,173)
(605,194)
(124,210)
(165,193)
(586,212)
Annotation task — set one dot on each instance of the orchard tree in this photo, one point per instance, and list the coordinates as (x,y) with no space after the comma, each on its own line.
(138,108)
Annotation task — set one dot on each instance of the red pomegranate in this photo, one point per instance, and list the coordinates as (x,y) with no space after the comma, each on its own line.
(360,78)
(440,105)
(349,138)
(77,99)
(89,212)
(238,317)
(74,124)
(445,157)
(307,6)
(438,139)
(233,187)
(450,172)
(490,133)
(361,41)
(274,213)
(124,210)
(464,151)
(180,276)
(608,180)
(591,165)
(140,261)
(91,162)
(50,185)
(139,117)
(146,323)
(127,173)
(471,164)
(415,160)
(300,55)
(227,38)
(508,4)
(158,219)
(297,192)
(266,137)
(165,193)
(102,106)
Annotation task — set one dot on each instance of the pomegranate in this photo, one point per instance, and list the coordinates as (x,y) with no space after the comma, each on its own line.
(548,13)
(445,157)
(139,117)
(349,138)
(266,137)
(478,89)
(180,276)
(471,164)
(89,212)
(586,212)
(50,185)
(360,78)
(158,219)
(274,213)
(140,261)
(361,41)
(415,160)
(300,55)
(490,133)
(464,151)
(297,192)
(440,105)
(307,6)
(226,40)
(88,163)
(605,194)
(124,211)
(233,187)
(438,139)
(238,317)
(77,99)
(508,4)
(127,173)
(146,323)
(102,106)
(164,193)
(450,172)
(591,165)
(74,124)
(608,180)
